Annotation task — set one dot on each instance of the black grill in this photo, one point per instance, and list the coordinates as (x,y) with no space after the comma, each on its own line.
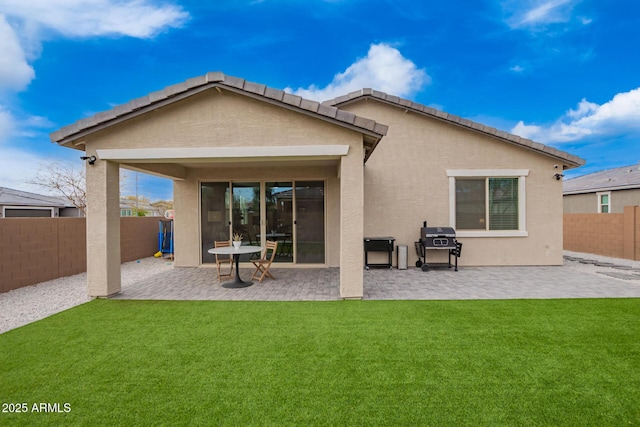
(443,238)
(438,237)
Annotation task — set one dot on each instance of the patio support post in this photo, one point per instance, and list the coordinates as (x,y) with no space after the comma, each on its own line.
(352,224)
(103,228)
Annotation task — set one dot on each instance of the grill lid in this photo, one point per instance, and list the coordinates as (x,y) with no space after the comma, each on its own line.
(439,232)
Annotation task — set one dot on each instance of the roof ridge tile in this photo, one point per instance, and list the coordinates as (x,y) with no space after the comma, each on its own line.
(214,77)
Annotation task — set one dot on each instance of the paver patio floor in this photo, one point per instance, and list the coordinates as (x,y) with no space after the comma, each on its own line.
(322,284)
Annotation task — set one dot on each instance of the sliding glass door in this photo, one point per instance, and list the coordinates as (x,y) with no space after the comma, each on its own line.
(279,207)
(214,219)
(290,212)
(246,214)
(309,203)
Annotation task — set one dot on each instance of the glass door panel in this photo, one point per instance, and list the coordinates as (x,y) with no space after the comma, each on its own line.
(246,214)
(309,203)
(214,199)
(279,224)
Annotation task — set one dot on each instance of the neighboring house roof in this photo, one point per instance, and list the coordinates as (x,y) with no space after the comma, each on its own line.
(569,159)
(372,131)
(622,178)
(11,197)
(140,205)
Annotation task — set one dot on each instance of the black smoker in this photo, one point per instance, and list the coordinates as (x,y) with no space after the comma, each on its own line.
(443,238)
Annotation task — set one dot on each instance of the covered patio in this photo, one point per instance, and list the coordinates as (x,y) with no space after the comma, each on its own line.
(233,149)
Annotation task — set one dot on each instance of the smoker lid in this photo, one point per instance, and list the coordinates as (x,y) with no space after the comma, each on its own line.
(369,239)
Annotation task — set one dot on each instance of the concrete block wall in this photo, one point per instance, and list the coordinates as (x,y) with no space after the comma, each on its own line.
(72,246)
(28,252)
(612,234)
(138,237)
(34,250)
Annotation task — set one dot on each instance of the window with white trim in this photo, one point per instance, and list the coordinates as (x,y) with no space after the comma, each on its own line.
(604,202)
(487,202)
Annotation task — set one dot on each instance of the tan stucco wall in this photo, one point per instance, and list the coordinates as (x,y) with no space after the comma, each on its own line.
(406,183)
(222,119)
(588,203)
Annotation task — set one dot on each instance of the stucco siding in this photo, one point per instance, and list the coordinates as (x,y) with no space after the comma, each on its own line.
(588,202)
(580,203)
(406,183)
(622,198)
(219,119)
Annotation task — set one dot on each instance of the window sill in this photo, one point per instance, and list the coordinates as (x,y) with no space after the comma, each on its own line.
(479,233)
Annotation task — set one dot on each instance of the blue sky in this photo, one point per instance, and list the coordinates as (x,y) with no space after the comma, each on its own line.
(561,72)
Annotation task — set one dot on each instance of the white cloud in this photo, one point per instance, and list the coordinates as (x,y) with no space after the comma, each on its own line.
(25,23)
(539,13)
(384,68)
(85,18)
(620,115)
(15,73)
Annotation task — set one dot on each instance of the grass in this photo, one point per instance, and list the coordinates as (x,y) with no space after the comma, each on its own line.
(516,363)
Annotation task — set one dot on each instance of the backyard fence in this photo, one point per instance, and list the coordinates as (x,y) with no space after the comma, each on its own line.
(34,250)
(614,235)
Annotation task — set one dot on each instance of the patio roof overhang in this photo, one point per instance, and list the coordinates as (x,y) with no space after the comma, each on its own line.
(74,135)
(174,162)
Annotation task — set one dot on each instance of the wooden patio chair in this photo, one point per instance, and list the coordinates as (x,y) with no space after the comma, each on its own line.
(223,259)
(264,263)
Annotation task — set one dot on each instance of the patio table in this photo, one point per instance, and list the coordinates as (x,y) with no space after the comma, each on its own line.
(236,252)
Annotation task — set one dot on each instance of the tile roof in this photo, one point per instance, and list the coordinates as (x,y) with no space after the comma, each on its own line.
(622,178)
(569,159)
(12,197)
(374,131)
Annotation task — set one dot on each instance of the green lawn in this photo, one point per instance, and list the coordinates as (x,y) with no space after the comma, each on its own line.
(410,363)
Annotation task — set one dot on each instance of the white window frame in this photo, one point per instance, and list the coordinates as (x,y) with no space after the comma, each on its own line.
(599,198)
(521,174)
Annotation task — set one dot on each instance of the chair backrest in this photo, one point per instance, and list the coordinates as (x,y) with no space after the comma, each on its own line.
(222,244)
(271,246)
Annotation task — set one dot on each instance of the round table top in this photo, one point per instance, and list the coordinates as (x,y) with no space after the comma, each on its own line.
(230,250)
